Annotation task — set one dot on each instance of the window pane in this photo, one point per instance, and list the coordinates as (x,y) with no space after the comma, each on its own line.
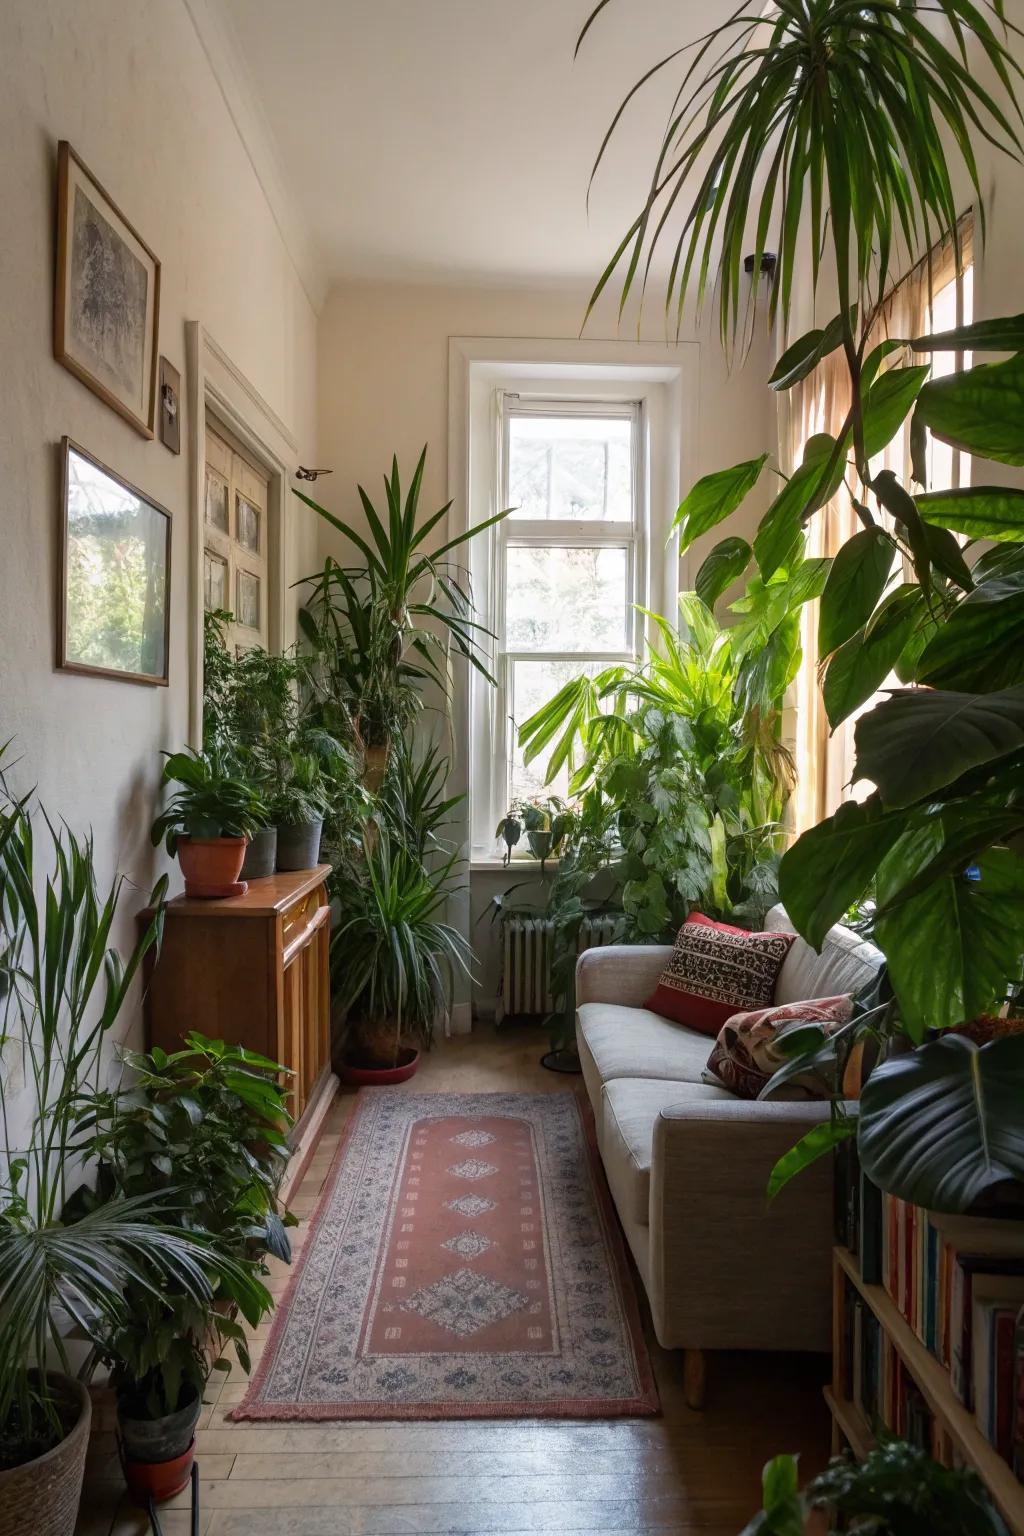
(216,501)
(247,522)
(571,467)
(215,581)
(566,599)
(532,684)
(247,606)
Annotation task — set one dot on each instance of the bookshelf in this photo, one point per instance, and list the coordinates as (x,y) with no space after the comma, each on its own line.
(961,1437)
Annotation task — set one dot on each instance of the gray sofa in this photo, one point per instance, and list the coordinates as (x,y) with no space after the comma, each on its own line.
(688,1163)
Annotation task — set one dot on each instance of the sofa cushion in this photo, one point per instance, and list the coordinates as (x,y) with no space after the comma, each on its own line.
(716,970)
(847,963)
(631,1108)
(615,1041)
(749,1049)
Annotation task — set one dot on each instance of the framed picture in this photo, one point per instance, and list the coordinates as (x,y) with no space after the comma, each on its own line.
(107,296)
(115,608)
(170,406)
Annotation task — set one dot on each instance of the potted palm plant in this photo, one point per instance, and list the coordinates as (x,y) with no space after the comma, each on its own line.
(210,1120)
(393,959)
(60,1269)
(208,821)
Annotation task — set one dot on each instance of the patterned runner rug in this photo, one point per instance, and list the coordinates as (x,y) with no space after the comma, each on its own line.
(463,1262)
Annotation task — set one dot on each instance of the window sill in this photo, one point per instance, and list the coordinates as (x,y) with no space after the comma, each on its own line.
(516,867)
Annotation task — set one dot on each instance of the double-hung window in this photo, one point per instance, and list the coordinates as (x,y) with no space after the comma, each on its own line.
(569,566)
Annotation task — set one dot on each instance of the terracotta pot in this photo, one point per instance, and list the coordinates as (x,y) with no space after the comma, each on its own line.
(42,1495)
(159,1480)
(212,865)
(381,1077)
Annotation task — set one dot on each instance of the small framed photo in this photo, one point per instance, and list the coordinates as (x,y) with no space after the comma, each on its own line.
(114,612)
(107,296)
(170,406)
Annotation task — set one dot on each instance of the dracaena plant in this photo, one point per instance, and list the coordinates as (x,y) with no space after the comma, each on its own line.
(380,630)
(845,127)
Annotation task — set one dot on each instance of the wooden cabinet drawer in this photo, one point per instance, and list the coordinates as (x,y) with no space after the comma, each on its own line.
(299,917)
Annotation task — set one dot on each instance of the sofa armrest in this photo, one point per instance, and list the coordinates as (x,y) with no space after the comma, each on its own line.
(620,973)
(728,1269)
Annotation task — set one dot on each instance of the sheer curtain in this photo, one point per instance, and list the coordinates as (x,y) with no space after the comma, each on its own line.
(935,295)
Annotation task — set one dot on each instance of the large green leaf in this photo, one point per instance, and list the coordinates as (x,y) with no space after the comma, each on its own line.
(860,667)
(887,405)
(920,740)
(981,646)
(804,355)
(816,1143)
(714,498)
(856,582)
(980,410)
(1003,335)
(952,949)
(979,511)
(808,488)
(724,565)
(832,864)
(941,1126)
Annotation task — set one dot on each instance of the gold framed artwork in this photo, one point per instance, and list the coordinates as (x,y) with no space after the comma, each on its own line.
(107,296)
(114,611)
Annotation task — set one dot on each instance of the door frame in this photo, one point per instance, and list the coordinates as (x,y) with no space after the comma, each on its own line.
(216,385)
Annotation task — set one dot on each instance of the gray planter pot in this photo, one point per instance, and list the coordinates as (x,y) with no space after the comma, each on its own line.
(299,847)
(261,855)
(150,1440)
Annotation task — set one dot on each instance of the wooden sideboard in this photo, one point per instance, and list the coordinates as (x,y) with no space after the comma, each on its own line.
(253,970)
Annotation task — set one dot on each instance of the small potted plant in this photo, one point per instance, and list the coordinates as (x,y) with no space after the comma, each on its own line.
(545,822)
(208,821)
(393,959)
(209,1119)
(299,808)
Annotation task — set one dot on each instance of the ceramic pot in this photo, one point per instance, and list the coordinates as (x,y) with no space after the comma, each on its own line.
(299,847)
(261,855)
(155,1441)
(381,1077)
(159,1480)
(43,1495)
(211,866)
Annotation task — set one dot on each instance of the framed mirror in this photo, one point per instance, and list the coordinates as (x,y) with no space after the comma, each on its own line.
(114,609)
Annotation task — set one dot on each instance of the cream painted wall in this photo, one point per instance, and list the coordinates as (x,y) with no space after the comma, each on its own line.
(130,86)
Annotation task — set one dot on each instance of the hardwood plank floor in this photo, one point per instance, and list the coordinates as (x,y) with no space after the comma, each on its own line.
(696,1474)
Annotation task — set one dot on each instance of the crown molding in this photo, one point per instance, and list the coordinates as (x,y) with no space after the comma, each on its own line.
(224,55)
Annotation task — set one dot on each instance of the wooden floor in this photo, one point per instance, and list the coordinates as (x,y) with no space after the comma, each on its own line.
(683,1472)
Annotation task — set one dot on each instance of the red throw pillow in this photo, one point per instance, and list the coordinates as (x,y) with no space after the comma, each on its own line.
(716,971)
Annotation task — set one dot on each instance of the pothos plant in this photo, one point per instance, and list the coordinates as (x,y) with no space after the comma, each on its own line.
(840,128)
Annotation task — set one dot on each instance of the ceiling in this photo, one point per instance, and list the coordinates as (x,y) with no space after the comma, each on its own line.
(451,140)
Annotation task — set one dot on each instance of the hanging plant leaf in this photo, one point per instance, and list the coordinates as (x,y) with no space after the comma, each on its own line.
(887,405)
(919,740)
(832,864)
(941,1126)
(808,488)
(953,948)
(859,668)
(980,411)
(714,498)
(1002,335)
(981,645)
(724,565)
(855,583)
(979,511)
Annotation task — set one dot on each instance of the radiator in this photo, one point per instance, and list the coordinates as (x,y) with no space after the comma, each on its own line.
(526,959)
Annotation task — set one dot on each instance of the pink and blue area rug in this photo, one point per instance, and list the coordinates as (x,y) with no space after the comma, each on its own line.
(464,1261)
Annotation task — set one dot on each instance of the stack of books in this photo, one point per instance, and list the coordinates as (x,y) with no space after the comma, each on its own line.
(958,1281)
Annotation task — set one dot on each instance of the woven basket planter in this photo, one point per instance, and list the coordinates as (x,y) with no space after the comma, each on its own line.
(42,1497)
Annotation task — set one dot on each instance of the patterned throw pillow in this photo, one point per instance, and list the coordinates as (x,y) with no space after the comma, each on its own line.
(715,971)
(747,1052)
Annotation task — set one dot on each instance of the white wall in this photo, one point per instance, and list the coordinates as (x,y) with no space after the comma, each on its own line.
(129,85)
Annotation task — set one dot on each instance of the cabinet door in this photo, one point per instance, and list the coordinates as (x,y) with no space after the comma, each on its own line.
(293,1029)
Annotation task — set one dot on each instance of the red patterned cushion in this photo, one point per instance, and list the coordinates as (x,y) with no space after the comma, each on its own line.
(747,1053)
(716,971)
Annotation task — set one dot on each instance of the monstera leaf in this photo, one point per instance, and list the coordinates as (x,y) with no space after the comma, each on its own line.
(832,864)
(942,1125)
(919,740)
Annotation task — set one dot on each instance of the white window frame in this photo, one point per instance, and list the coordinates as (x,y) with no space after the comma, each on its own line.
(659,382)
(572,533)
